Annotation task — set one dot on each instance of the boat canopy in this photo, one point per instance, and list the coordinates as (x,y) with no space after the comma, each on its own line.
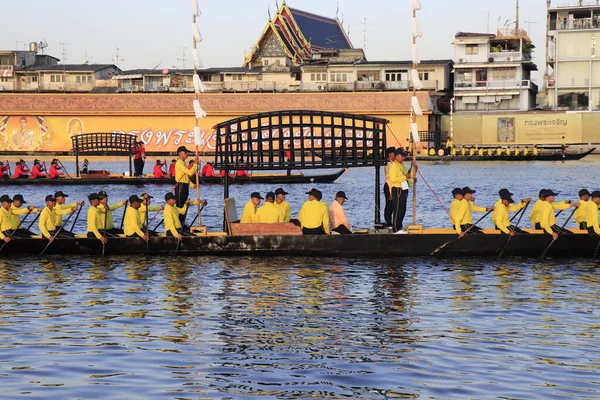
(103,144)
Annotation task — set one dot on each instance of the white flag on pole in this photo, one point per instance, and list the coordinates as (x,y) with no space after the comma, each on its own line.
(198,138)
(416,31)
(196,32)
(415,55)
(416,80)
(416,106)
(416,4)
(414,129)
(198,84)
(200,113)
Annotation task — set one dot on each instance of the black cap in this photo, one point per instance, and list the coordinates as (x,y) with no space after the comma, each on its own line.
(182,148)
(549,192)
(102,194)
(468,190)
(256,195)
(583,192)
(93,196)
(60,194)
(19,197)
(456,191)
(595,193)
(5,198)
(280,191)
(507,198)
(400,152)
(50,198)
(318,194)
(146,195)
(313,192)
(390,150)
(134,199)
(270,195)
(36,161)
(341,193)
(504,192)
(170,196)
(541,193)
(158,162)
(173,160)
(1,163)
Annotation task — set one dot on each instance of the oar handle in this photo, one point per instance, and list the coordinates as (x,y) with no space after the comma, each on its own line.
(445,246)
(76,218)
(33,222)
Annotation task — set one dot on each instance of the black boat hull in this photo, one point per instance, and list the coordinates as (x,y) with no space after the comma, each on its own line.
(553,156)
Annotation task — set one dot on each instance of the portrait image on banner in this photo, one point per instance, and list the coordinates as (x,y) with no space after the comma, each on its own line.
(23,133)
(75,127)
(506,130)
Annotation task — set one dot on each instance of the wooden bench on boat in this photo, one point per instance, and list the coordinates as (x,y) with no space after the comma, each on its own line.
(235,228)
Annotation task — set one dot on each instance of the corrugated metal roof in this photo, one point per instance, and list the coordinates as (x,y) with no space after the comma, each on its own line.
(69,67)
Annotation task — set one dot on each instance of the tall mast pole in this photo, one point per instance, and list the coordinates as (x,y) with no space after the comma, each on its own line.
(198,88)
(412,137)
(517,17)
(415,109)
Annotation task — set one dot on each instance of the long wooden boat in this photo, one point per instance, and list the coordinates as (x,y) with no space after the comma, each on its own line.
(545,155)
(279,179)
(370,245)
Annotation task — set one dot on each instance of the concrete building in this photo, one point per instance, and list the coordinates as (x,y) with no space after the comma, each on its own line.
(13,60)
(492,72)
(65,77)
(572,67)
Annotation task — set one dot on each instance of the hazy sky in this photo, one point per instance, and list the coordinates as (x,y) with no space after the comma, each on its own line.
(153,33)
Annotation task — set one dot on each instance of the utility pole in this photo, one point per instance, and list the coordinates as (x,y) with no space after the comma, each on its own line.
(64,59)
(517,17)
(528,23)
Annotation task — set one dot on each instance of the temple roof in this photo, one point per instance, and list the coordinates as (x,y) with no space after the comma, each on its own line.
(322,32)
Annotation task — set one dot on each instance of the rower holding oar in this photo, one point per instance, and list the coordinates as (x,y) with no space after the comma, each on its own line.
(500,216)
(590,213)
(536,214)
(547,217)
(145,207)
(105,212)
(580,217)
(61,206)
(93,219)
(172,214)
(461,211)
(6,233)
(16,211)
(48,216)
(133,222)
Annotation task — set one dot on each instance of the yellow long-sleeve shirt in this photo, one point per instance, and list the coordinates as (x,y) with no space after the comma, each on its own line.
(93,218)
(59,216)
(591,215)
(171,217)
(144,209)
(268,214)
(183,173)
(249,213)
(285,209)
(535,214)
(314,214)
(132,223)
(109,218)
(580,212)
(47,221)
(398,175)
(546,217)
(501,212)
(461,213)
(4,222)
(15,215)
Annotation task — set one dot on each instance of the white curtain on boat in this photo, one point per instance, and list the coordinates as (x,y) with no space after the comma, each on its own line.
(200,113)
(414,130)
(198,139)
(416,31)
(416,4)
(414,74)
(415,55)
(198,84)
(414,102)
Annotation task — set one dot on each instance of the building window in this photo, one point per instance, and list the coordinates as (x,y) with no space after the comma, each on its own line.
(83,79)
(5,79)
(31,79)
(472,49)
(57,78)
(424,76)
(504,74)
(464,76)
(338,76)
(236,77)
(319,75)
(395,75)
(266,63)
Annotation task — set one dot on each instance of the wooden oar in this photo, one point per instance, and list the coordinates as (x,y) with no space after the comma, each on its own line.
(159,224)
(104,232)
(13,232)
(446,245)
(597,249)
(33,222)
(124,211)
(64,169)
(76,218)
(543,255)
(503,248)
(147,232)
(56,234)
(9,169)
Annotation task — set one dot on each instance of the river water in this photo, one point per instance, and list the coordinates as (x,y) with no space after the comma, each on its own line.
(238,328)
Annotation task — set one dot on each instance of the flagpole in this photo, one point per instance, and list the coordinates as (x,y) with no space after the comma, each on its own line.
(198,111)
(415,109)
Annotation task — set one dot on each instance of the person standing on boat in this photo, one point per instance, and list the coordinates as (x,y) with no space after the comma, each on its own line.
(185,179)
(547,217)
(94,224)
(15,218)
(500,216)
(283,205)
(172,215)
(139,157)
(536,215)
(103,209)
(132,224)
(400,179)
(337,215)
(591,213)
(313,216)
(172,168)
(580,217)
(249,212)
(269,213)
(48,217)
(85,168)
(63,209)
(449,146)
(387,192)
(158,171)
(37,172)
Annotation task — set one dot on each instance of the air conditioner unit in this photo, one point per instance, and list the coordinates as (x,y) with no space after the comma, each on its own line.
(1,88)
(509,59)
(461,60)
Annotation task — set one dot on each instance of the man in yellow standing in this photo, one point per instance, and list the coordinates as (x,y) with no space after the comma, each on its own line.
(387,191)
(132,224)
(500,216)
(283,205)
(249,212)
(400,179)
(185,178)
(313,216)
(62,206)
(269,213)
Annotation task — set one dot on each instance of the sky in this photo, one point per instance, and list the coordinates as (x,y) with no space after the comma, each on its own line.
(154,33)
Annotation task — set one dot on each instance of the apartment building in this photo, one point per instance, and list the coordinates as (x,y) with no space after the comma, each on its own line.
(14,60)
(65,77)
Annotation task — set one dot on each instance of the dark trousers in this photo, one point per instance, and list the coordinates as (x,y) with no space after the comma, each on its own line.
(91,235)
(591,231)
(389,205)
(182,193)
(342,230)
(65,233)
(23,177)
(583,226)
(556,229)
(313,231)
(517,230)
(474,230)
(399,205)
(138,166)
(21,233)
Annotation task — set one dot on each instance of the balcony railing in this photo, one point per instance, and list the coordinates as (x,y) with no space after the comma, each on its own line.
(495,85)
(575,24)
(508,56)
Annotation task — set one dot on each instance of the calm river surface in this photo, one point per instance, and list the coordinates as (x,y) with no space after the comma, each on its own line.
(239,328)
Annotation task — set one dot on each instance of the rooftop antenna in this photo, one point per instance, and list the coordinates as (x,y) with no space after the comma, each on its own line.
(157,65)
(337,11)
(64,52)
(529,25)
(182,59)
(269,12)
(86,61)
(117,58)
(42,46)
(365,25)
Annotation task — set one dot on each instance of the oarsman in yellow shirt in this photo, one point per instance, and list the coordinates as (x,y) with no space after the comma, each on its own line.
(387,193)
(432,151)
(580,217)
(249,212)
(185,178)
(472,151)
(106,217)
(15,216)
(400,179)
(171,214)
(463,151)
(93,219)
(500,216)
(547,217)
(145,207)
(61,206)
(132,224)
(283,205)
(467,221)
(5,231)
(47,223)
(480,152)
(314,216)
(536,151)
(269,213)
(461,211)
(591,213)
(535,215)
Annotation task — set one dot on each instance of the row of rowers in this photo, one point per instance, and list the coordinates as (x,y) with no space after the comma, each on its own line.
(100,223)
(315,216)
(542,214)
(39,170)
